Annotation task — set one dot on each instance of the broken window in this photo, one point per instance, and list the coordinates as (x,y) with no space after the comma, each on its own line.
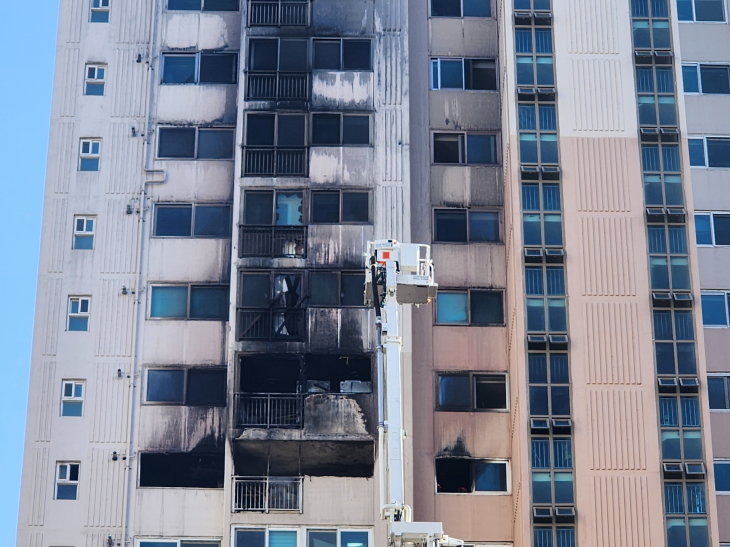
(191,386)
(348,54)
(334,289)
(269,375)
(67,480)
(195,143)
(479,149)
(472,74)
(181,470)
(72,398)
(334,206)
(472,391)
(465,476)
(259,208)
(206,302)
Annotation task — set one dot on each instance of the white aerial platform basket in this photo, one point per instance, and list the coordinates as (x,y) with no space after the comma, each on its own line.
(414,270)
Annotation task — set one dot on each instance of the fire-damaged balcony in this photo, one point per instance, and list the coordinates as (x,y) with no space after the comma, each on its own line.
(272,241)
(267,494)
(275,161)
(299,415)
(278,86)
(284,13)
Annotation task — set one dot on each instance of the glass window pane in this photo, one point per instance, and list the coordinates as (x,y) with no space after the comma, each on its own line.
(325,207)
(684,10)
(713,310)
(698,534)
(528,148)
(219,68)
(213,220)
(676,533)
(321,538)
(543,536)
(686,360)
(71,408)
(665,358)
(281,538)
(260,129)
(215,144)
(452,73)
(718,152)
(673,498)
(170,302)
(184,4)
(293,55)
(326,129)
(541,488)
(659,272)
(722,476)
(480,74)
(721,225)
(450,226)
(548,148)
(543,37)
(531,197)
(176,142)
(553,230)
(660,33)
(89,164)
(209,303)
(560,400)
(523,40)
(490,392)
(536,314)
(537,364)
(484,226)
(356,130)
(477,8)
(250,538)
(258,208)
(716,392)
(454,392)
(670,445)
(557,320)
(445,8)
(538,401)
(289,208)
(165,386)
(66,491)
(703,231)
(490,477)
(352,286)
(448,148)
(323,289)
(692,441)
(291,130)
(452,308)
(353,539)
(540,453)
(206,387)
(355,207)
(525,71)
(668,415)
(327,55)
(526,113)
(83,242)
(559,371)
(715,79)
(486,308)
(680,273)
(696,152)
(709,10)
(178,69)
(562,453)
(356,54)
(173,220)
(534,281)
(532,229)
(642,37)
(255,291)
(563,487)
(545,71)
(481,149)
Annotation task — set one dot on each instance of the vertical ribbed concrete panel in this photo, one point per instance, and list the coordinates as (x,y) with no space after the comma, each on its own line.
(118,238)
(60,226)
(71,14)
(128,86)
(621,506)
(134,19)
(42,400)
(40,465)
(612,345)
(53,309)
(105,479)
(109,403)
(114,338)
(71,74)
(602,183)
(121,173)
(62,158)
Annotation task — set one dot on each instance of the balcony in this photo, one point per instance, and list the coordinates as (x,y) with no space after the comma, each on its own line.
(277,86)
(275,162)
(278,14)
(270,324)
(267,494)
(268,410)
(273,241)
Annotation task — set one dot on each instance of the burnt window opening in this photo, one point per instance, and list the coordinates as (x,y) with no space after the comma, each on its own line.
(335,207)
(273,55)
(282,130)
(287,207)
(274,208)
(308,374)
(335,289)
(340,129)
(348,54)
(181,470)
(472,392)
(191,387)
(466,476)
(270,290)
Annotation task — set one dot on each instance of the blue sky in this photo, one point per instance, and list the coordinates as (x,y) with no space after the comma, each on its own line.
(28,40)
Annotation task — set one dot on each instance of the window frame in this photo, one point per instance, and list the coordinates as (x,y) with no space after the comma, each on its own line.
(704,139)
(198,63)
(725,377)
(339,274)
(189,286)
(58,481)
(203,10)
(698,66)
(720,461)
(186,370)
(462,16)
(468,210)
(194,205)
(197,128)
(302,532)
(342,192)
(176,541)
(694,16)
(465,134)
(473,375)
(342,53)
(469,290)
(473,461)
(95,80)
(463,60)
(90,155)
(310,130)
(725,295)
(101,9)
(84,233)
(79,314)
(73,398)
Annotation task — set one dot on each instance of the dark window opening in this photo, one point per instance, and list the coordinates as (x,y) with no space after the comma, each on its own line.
(293,55)
(450,226)
(218,68)
(177,220)
(270,375)
(480,74)
(327,55)
(454,391)
(209,302)
(165,386)
(472,391)
(260,129)
(221,5)
(192,387)
(324,289)
(259,208)
(355,207)
(212,221)
(356,54)
(326,129)
(333,207)
(325,207)
(263,55)
(181,470)
(448,148)
(445,8)
(718,152)
(173,220)
(178,69)
(487,308)
(187,5)
(290,130)
(453,476)
(356,130)
(215,144)
(206,387)
(490,392)
(176,142)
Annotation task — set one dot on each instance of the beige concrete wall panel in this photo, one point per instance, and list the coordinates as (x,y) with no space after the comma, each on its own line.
(169,260)
(477,518)
(390,214)
(390,69)
(467,186)
(462,434)
(704,42)
(340,164)
(602,177)
(621,514)
(473,348)
(717,349)
(73,11)
(338,245)
(723,508)
(117,238)
(54,309)
(35,539)
(353,328)
(617,422)
(391,153)
(105,486)
(39,490)
(597,92)
(131,19)
(467,37)
(59,230)
(465,110)
(612,343)
(720,422)
(114,332)
(108,403)
(195,181)
(714,264)
(178,512)
(709,191)
(197,104)
(201,31)
(45,382)
(470,265)
(99,538)
(342,90)
(184,342)
(129,86)
(70,81)
(592,27)
(607,256)
(65,152)
(707,114)
(180,30)
(333,17)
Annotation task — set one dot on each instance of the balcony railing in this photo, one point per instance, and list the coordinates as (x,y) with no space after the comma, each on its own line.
(268,410)
(275,162)
(267,494)
(277,86)
(270,324)
(283,14)
(273,241)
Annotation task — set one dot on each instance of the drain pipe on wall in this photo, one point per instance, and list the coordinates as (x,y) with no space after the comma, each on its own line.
(151,176)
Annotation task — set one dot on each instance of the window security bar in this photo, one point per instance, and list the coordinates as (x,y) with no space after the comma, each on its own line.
(268,410)
(273,241)
(267,494)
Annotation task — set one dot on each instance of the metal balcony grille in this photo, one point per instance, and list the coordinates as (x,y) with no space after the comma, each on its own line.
(284,13)
(268,410)
(277,86)
(267,494)
(275,162)
(270,324)
(273,241)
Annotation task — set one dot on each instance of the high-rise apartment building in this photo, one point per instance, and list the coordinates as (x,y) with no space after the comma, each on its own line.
(203,370)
